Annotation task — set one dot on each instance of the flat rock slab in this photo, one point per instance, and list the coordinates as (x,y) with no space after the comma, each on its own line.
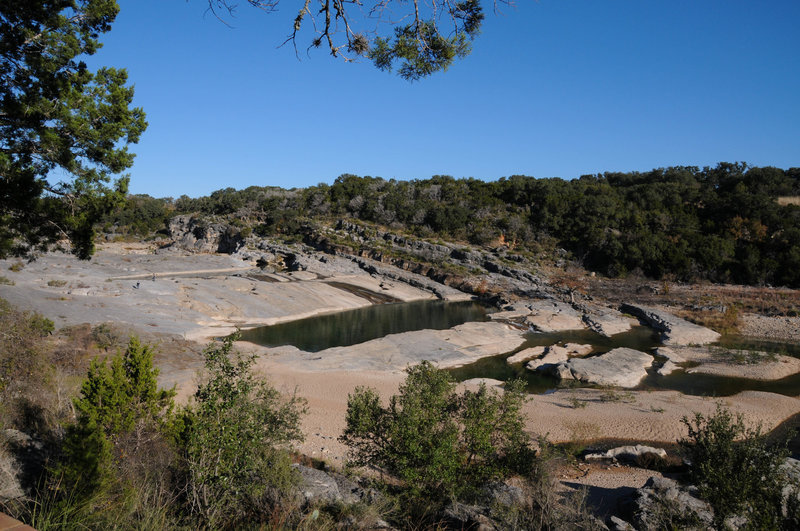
(552,355)
(453,347)
(554,316)
(525,355)
(674,330)
(621,367)
(628,453)
(606,321)
(719,361)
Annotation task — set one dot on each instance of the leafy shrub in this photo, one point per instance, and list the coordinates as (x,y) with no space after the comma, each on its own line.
(56,283)
(121,407)
(4,281)
(734,468)
(442,445)
(237,435)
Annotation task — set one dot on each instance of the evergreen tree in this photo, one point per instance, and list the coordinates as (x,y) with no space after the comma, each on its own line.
(58,116)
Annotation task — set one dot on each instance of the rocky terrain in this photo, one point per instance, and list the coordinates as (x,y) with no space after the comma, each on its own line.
(206,281)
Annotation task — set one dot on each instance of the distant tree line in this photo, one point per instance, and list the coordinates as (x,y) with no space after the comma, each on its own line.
(724,224)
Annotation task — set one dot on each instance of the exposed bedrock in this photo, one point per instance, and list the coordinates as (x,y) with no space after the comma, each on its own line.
(621,367)
(674,330)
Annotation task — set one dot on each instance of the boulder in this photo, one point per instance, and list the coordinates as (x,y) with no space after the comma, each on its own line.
(317,486)
(473,517)
(627,453)
(674,330)
(663,504)
(196,234)
(622,367)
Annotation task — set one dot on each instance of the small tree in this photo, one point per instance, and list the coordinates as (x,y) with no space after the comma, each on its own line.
(120,401)
(237,436)
(734,468)
(442,445)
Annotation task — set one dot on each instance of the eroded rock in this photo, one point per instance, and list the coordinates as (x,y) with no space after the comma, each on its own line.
(674,330)
(627,453)
(621,367)
(554,316)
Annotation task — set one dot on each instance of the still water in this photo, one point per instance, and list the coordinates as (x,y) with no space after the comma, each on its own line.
(643,339)
(363,324)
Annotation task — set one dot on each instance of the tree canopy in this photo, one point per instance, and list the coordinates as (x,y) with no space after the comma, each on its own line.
(420,38)
(64,130)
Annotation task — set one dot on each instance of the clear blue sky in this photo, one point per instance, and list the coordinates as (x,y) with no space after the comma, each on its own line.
(553,88)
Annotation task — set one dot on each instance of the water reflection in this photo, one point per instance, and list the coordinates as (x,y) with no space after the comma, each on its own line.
(357,326)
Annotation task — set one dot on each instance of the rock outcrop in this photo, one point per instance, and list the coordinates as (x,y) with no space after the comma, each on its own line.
(663,503)
(674,330)
(197,235)
(556,354)
(621,367)
(553,316)
(627,453)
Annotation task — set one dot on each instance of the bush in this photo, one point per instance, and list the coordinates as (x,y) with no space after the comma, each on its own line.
(238,432)
(734,468)
(119,414)
(441,445)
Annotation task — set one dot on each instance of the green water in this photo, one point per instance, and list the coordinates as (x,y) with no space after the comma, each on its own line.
(640,338)
(357,326)
(643,339)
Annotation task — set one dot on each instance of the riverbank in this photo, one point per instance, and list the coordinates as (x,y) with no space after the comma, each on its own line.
(181,302)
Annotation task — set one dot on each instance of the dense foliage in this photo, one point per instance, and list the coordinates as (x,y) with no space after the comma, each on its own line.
(725,224)
(441,444)
(736,471)
(59,118)
(238,434)
(120,411)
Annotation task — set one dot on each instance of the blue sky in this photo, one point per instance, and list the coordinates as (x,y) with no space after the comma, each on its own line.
(552,88)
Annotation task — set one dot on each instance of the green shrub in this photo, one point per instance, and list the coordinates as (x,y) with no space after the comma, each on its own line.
(442,445)
(734,468)
(119,412)
(4,281)
(237,438)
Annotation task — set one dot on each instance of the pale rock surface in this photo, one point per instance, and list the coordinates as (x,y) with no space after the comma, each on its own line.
(606,321)
(554,316)
(627,452)
(667,368)
(674,330)
(622,367)
(552,355)
(525,355)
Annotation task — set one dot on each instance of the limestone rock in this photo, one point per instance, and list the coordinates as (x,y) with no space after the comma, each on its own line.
(622,367)
(554,316)
(667,368)
(576,349)
(317,486)
(674,330)
(195,234)
(525,355)
(552,355)
(627,453)
(605,321)
(670,353)
(662,501)
(488,382)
